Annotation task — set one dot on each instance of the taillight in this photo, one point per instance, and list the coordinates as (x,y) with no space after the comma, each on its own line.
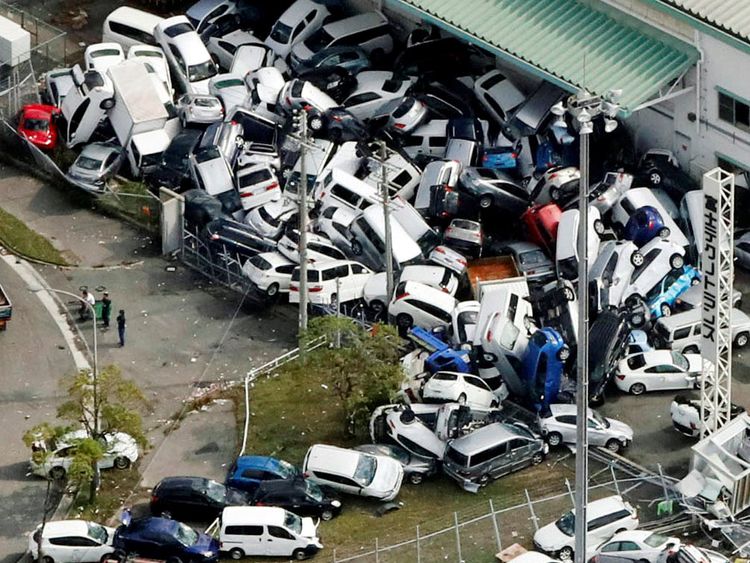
(693,426)
(489,334)
(445,289)
(293,288)
(246,194)
(215,236)
(234,123)
(315,289)
(399,125)
(444,214)
(390,423)
(272,186)
(514,155)
(461,261)
(338,118)
(154,499)
(650,224)
(401,296)
(439,250)
(620,376)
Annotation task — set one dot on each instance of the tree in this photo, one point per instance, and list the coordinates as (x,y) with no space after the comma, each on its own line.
(364,370)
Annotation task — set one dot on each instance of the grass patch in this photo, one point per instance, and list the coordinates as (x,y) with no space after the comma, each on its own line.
(115,488)
(133,201)
(18,237)
(289,413)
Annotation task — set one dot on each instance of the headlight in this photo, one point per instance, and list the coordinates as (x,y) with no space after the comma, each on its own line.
(207,554)
(335,503)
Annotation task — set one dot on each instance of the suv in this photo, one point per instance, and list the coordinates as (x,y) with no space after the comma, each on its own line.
(195,498)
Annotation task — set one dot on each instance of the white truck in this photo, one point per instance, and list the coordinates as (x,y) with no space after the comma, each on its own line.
(143,123)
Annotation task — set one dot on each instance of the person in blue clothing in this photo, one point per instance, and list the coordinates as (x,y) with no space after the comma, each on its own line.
(121,327)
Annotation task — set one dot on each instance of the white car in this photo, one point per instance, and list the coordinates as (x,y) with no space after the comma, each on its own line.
(687,553)
(414,427)
(296,24)
(452,259)
(465,234)
(498,95)
(249,58)
(604,517)
(223,49)
(408,115)
(438,277)
(101,56)
(72,541)
(211,172)
(199,109)
(266,84)
(659,258)
(331,282)
(120,451)
(154,59)
(559,427)
(269,220)
(377,94)
(334,223)
(638,546)
(257,185)
(354,472)
(188,57)
(659,370)
(319,248)
(566,250)
(611,271)
(554,185)
(464,322)
(271,272)
(298,93)
(230,89)
(462,388)
(415,303)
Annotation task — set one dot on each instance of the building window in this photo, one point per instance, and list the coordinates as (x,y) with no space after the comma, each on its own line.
(734,111)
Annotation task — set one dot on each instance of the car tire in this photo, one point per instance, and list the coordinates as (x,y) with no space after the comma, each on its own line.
(563,354)
(46,559)
(696,281)
(554,193)
(666,310)
(614,446)
(637,320)
(236,553)
(566,553)
(494,404)
(664,232)
(636,259)
(356,248)
(599,227)
(741,340)
(272,290)
(299,554)
(326,515)
(415,478)
(537,458)
(676,261)
(316,123)
(121,462)
(554,439)
(485,202)
(569,294)
(377,306)
(637,388)
(461,399)
(404,321)
(484,479)
(57,472)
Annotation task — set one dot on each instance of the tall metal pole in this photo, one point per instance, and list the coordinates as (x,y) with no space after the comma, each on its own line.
(302,125)
(582,388)
(387,218)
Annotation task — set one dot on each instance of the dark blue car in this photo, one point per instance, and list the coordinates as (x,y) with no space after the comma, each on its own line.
(542,367)
(442,357)
(645,224)
(163,538)
(248,471)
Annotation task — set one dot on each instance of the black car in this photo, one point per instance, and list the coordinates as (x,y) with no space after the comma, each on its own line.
(194,498)
(608,336)
(446,99)
(300,496)
(337,125)
(336,82)
(173,171)
(165,539)
(446,56)
(228,237)
(200,208)
(660,171)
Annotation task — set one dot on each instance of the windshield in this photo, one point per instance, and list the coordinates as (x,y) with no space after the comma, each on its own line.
(318,40)
(186,535)
(104,53)
(293,522)
(281,33)
(36,125)
(314,491)
(365,472)
(533,257)
(216,491)
(398,454)
(202,71)
(655,540)
(566,524)
(680,361)
(178,29)
(600,419)
(97,532)
(509,336)
(88,163)
(228,83)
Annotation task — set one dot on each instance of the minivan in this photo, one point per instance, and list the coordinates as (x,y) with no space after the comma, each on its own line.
(566,251)
(491,452)
(429,139)
(129,26)
(331,282)
(341,189)
(265,531)
(367,238)
(414,224)
(682,331)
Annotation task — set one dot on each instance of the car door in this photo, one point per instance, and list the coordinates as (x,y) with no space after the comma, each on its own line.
(597,434)
(520,454)
(630,551)
(477,391)
(360,275)
(566,425)
(88,549)
(279,542)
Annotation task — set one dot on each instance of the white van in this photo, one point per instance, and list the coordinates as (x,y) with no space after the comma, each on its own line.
(368,240)
(341,189)
(265,531)
(429,139)
(401,174)
(634,199)
(682,332)
(414,224)
(129,26)
(331,282)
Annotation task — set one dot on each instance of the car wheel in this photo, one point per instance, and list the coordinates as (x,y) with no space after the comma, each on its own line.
(299,554)
(236,553)
(637,320)
(563,354)
(377,306)
(404,321)
(636,259)
(598,227)
(665,309)
(494,404)
(326,515)
(415,478)
(462,399)
(566,553)
(741,340)
(356,247)
(676,261)
(664,232)
(537,458)
(554,439)
(272,290)
(484,479)
(614,446)
(316,123)
(696,281)
(485,201)
(57,472)
(637,389)
(554,193)
(121,462)
(655,177)
(47,559)
(569,294)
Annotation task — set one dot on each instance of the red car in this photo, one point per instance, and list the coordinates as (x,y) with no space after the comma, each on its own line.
(37,124)
(540,225)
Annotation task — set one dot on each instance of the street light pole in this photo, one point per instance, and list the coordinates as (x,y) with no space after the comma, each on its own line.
(303,296)
(387,218)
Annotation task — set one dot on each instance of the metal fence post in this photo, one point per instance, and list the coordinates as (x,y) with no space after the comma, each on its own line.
(419,551)
(531,509)
(663,484)
(570,492)
(614,479)
(495,526)
(458,537)
(377,555)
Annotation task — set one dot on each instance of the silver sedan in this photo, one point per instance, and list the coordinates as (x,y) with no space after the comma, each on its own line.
(416,468)
(97,163)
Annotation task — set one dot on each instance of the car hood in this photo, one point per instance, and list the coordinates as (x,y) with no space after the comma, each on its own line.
(550,538)
(695,363)
(204,544)
(236,497)
(387,477)
(620,428)
(309,529)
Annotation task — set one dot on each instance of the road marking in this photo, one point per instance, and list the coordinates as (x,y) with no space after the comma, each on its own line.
(50,302)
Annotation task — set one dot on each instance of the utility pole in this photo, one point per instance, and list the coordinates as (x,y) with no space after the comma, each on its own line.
(301,123)
(387,218)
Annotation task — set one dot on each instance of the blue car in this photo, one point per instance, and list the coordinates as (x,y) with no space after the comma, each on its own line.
(165,539)
(248,471)
(645,223)
(662,297)
(442,356)
(542,367)
(501,158)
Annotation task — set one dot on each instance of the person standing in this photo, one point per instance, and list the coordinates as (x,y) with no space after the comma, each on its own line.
(106,309)
(121,327)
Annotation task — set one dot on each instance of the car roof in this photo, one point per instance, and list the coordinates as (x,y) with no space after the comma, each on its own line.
(200,9)
(603,506)
(522,246)
(340,461)
(427,293)
(98,150)
(256,461)
(181,481)
(65,528)
(153,523)
(355,23)
(326,264)
(191,48)
(275,258)
(560,408)
(637,535)
(656,357)
(480,439)
(269,515)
